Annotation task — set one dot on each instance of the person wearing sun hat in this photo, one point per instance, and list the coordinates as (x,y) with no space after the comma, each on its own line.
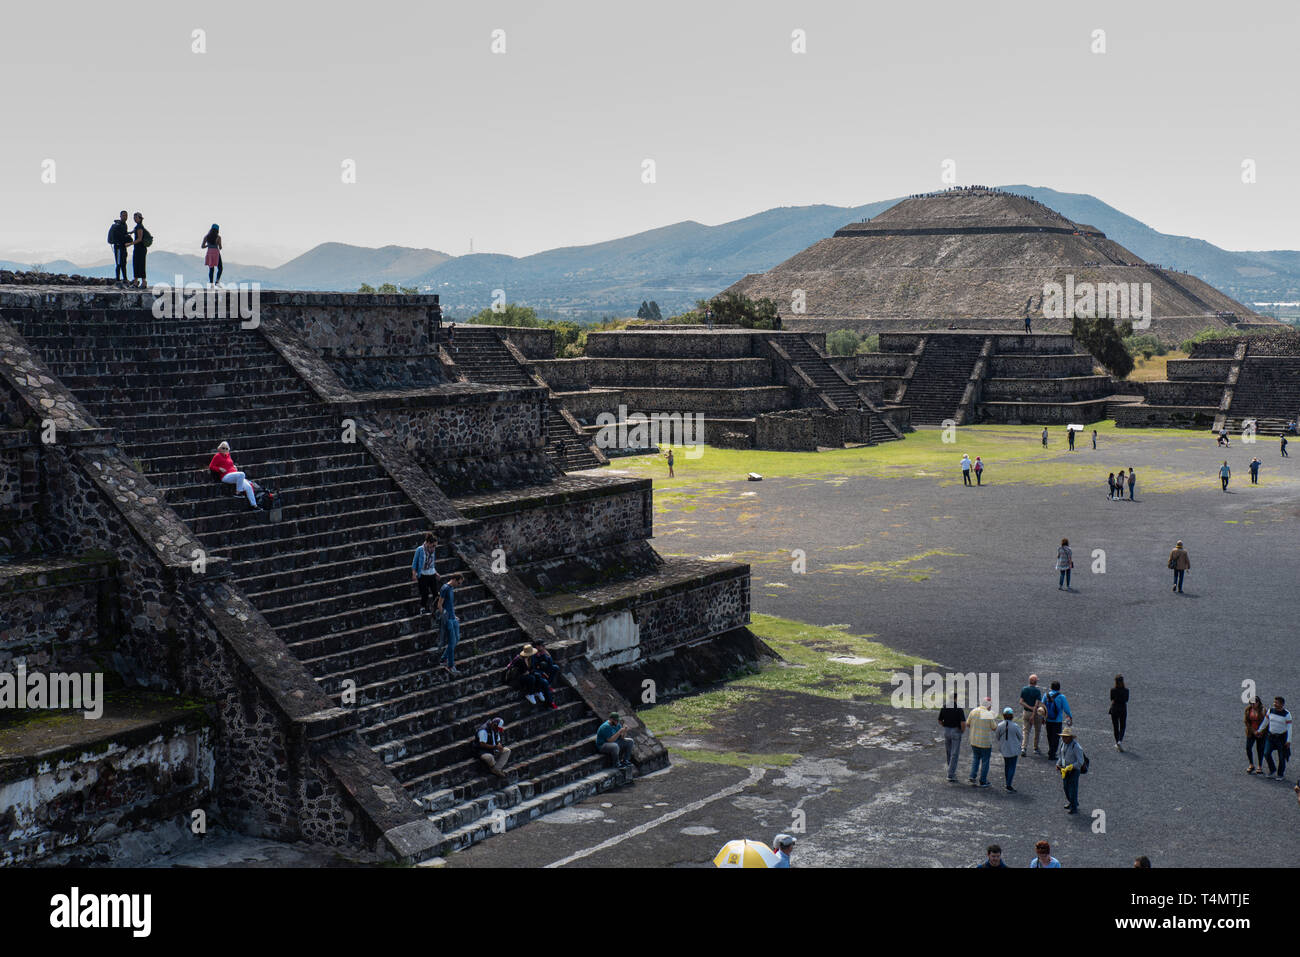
(1071,762)
(521,674)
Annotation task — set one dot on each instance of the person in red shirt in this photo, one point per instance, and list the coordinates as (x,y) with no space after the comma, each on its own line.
(223,468)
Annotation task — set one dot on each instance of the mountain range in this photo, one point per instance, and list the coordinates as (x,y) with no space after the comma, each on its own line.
(678,264)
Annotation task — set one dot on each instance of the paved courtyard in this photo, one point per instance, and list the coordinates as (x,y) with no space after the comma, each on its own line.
(963,577)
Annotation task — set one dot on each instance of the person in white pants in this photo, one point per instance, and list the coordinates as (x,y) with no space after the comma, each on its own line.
(223,466)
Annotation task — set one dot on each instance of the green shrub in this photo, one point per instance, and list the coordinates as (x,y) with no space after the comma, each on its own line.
(842,342)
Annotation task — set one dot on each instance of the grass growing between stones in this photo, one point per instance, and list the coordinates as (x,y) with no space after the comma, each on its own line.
(1012,454)
(820,660)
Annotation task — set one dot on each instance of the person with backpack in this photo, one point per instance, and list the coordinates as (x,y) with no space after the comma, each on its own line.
(450,628)
(141,240)
(1284,452)
(222,468)
(1179,563)
(1056,711)
(1010,740)
(490,746)
(979,470)
(212,258)
(1031,704)
(1119,711)
(119,237)
(1277,725)
(1064,563)
(1072,762)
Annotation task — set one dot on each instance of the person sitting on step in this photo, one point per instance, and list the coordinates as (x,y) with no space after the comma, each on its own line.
(491,743)
(222,468)
(613,741)
(522,674)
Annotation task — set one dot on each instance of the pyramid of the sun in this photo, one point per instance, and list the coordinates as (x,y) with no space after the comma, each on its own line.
(973,258)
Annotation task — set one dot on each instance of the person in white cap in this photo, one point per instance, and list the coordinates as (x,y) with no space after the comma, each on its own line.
(1010,741)
(782,847)
(491,746)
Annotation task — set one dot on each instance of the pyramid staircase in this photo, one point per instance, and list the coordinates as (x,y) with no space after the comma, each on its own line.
(332,574)
(836,390)
(480,355)
(943,369)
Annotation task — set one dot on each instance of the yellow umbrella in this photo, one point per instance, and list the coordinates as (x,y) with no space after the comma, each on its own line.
(744,853)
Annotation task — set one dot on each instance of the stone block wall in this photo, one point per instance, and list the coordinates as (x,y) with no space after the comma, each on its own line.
(1039,366)
(533,528)
(1184,393)
(665,344)
(77,792)
(533,343)
(475,425)
(657,621)
(58,615)
(676,373)
(1059,389)
(1201,370)
(709,402)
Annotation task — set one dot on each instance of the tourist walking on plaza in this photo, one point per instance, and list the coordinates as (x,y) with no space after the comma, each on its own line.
(1044,858)
(993,854)
(423,572)
(450,623)
(212,259)
(1064,564)
(491,743)
(1044,436)
(1284,452)
(1132,482)
(1277,725)
(119,237)
(1255,463)
(953,721)
(613,742)
(965,469)
(1179,562)
(1119,711)
(979,470)
(1254,736)
(141,240)
(1069,434)
(1056,711)
(982,723)
(1031,704)
(1094,440)
(1110,487)
(1072,763)
(670,464)
(222,468)
(1225,473)
(1010,741)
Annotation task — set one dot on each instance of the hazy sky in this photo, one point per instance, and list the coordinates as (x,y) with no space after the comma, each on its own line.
(542,146)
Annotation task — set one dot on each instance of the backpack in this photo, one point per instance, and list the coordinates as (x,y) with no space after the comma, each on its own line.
(1053,709)
(148,236)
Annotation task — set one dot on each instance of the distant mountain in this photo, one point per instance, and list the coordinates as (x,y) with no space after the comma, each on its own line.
(675,265)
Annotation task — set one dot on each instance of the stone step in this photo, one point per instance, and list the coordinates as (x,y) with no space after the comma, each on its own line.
(397,590)
(454,737)
(526,808)
(553,763)
(271,459)
(257,527)
(250,372)
(254,573)
(199,488)
(304,508)
(455,761)
(240,551)
(221,502)
(200,436)
(480,672)
(357,570)
(496,700)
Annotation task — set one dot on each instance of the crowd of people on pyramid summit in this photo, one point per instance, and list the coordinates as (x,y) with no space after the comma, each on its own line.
(138,239)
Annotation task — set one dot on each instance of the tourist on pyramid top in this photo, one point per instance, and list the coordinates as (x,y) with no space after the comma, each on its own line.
(141,240)
(222,469)
(119,237)
(212,243)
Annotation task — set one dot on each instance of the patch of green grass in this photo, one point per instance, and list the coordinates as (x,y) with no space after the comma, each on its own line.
(807,668)
(737,759)
(1013,454)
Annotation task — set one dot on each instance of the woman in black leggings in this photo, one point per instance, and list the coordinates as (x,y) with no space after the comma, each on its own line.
(1119,711)
(1255,712)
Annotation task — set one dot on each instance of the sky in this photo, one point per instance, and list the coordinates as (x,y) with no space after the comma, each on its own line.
(544,144)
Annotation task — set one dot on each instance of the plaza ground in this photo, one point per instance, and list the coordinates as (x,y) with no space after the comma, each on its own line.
(897,550)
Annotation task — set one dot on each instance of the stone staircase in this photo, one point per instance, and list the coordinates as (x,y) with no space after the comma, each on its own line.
(331,575)
(481,356)
(1267,391)
(935,390)
(834,386)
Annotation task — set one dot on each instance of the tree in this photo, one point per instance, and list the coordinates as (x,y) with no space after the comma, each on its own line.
(1105,341)
(842,342)
(733,309)
(512,315)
